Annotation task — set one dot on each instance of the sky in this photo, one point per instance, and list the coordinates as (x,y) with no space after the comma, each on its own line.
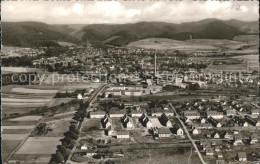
(119,12)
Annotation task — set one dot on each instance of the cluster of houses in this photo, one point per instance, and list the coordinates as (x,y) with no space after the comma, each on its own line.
(167,130)
(107,124)
(22,52)
(213,119)
(214,148)
(52,61)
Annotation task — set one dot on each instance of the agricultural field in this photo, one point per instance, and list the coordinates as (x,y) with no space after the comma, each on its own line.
(18,69)
(250,39)
(8,146)
(39,145)
(221,43)
(189,45)
(93,128)
(228,68)
(14,131)
(13,137)
(58,127)
(164,44)
(27,118)
(161,156)
(36,150)
(252,59)
(20,100)
(78,86)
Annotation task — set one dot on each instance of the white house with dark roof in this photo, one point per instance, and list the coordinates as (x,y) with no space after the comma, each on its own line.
(254,139)
(229,136)
(214,122)
(127,122)
(202,120)
(165,120)
(237,140)
(196,131)
(148,124)
(178,130)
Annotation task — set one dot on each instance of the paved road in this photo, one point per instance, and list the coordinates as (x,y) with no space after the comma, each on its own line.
(188,135)
(91,99)
(255,105)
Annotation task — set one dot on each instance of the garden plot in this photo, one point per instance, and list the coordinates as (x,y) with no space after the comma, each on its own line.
(25,100)
(17,127)
(27,118)
(39,145)
(38,91)
(21,105)
(8,109)
(58,128)
(18,123)
(30,158)
(14,137)
(26,95)
(18,69)
(93,128)
(15,131)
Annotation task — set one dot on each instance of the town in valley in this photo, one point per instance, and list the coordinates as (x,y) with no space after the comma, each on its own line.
(122,94)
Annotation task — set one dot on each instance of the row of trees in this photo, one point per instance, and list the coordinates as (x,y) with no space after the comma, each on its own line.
(70,137)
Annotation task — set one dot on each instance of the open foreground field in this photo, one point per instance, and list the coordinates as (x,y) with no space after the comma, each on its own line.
(14,132)
(36,150)
(39,145)
(22,99)
(252,59)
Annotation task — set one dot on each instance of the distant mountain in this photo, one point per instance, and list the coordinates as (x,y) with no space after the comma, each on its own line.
(123,34)
(32,34)
(248,27)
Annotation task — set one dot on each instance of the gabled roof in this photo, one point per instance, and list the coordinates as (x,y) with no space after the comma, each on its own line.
(213,121)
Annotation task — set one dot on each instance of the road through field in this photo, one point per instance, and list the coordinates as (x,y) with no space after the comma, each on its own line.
(188,135)
(25,138)
(90,100)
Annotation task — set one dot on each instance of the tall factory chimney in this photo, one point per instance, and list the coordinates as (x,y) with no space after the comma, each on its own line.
(190,36)
(155,66)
